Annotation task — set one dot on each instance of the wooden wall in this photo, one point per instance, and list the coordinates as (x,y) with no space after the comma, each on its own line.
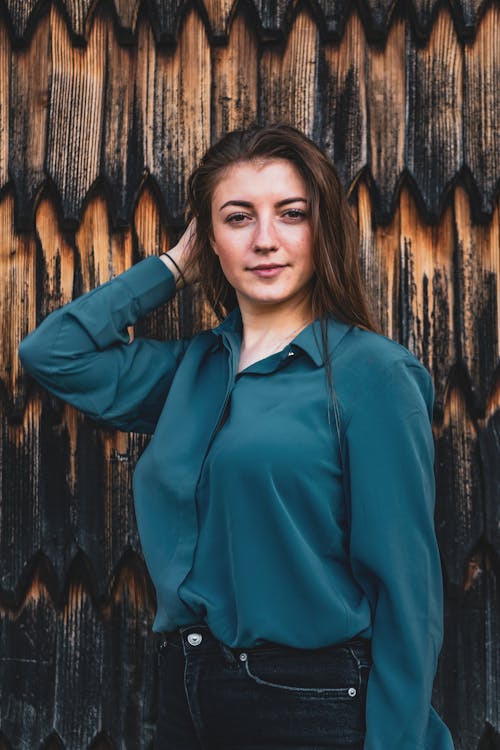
(104,109)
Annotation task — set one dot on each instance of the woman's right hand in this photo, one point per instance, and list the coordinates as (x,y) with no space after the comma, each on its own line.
(181,253)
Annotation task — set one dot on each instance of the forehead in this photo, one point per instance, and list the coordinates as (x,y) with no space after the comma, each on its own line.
(259,177)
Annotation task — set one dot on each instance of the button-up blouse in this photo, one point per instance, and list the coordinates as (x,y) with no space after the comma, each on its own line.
(259,512)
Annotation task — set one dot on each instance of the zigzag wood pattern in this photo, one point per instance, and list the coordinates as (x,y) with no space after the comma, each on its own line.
(146,110)
(272,19)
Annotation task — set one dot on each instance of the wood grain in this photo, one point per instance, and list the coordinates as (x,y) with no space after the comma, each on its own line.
(235,75)
(28,643)
(478,286)
(426,296)
(344,126)
(482,107)
(386,104)
(180,119)
(75,127)
(270,17)
(5,55)
(219,13)
(434,136)
(29,117)
(458,489)
(289,80)
(17,302)
(122,158)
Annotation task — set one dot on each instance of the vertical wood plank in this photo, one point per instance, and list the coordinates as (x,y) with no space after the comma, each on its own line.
(142,136)
(289,81)
(434,134)
(5,56)
(27,667)
(103,255)
(482,107)
(489,440)
(478,287)
(57,497)
(31,73)
(181,117)
(459,513)
(343,101)
(56,271)
(426,291)
(20,532)
(17,303)
(130,706)
(122,159)
(79,666)
(235,75)
(379,249)
(75,126)
(386,103)
(462,673)
(121,453)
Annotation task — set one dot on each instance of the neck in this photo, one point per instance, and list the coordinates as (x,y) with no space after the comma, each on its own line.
(267,325)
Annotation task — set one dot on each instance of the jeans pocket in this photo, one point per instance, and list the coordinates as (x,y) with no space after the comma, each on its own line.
(332,674)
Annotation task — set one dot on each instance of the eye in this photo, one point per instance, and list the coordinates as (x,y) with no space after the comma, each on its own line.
(230,219)
(296,211)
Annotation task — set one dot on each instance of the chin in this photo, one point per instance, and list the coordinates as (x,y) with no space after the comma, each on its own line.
(269,298)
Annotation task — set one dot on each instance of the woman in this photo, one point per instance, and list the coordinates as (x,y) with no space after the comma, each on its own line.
(285,501)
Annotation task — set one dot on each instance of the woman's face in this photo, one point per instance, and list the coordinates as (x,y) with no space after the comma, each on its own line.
(260,217)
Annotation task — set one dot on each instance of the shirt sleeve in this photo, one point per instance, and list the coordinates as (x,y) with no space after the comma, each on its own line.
(390,487)
(82,352)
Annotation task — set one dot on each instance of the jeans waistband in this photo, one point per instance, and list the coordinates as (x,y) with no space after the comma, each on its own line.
(192,637)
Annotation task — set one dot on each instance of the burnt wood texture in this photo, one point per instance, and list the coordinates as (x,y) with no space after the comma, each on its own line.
(105,107)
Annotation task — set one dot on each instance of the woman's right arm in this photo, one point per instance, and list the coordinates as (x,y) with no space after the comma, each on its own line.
(82,352)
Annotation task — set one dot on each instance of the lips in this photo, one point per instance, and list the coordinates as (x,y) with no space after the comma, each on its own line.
(267,271)
(263,267)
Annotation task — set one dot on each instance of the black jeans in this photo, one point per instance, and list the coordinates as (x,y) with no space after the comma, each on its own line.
(270,697)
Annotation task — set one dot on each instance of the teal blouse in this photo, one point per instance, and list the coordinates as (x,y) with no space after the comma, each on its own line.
(248,519)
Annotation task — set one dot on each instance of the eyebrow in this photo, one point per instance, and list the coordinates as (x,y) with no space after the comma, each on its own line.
(247,204)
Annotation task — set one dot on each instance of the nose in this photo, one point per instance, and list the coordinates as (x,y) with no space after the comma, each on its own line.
(265,235)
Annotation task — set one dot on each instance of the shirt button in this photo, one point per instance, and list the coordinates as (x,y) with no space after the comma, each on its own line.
(290,354)
(194,639)
(352,692)
(243,656)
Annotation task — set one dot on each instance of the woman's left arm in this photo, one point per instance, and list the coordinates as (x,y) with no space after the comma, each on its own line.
(390,488)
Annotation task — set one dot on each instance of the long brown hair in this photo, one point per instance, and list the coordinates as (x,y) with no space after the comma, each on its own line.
(337,285)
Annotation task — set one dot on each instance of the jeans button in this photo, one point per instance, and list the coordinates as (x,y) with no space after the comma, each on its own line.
(243,656)
(194,639)
(352,692)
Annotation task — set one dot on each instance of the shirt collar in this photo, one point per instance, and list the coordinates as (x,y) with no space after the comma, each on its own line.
(309,339)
